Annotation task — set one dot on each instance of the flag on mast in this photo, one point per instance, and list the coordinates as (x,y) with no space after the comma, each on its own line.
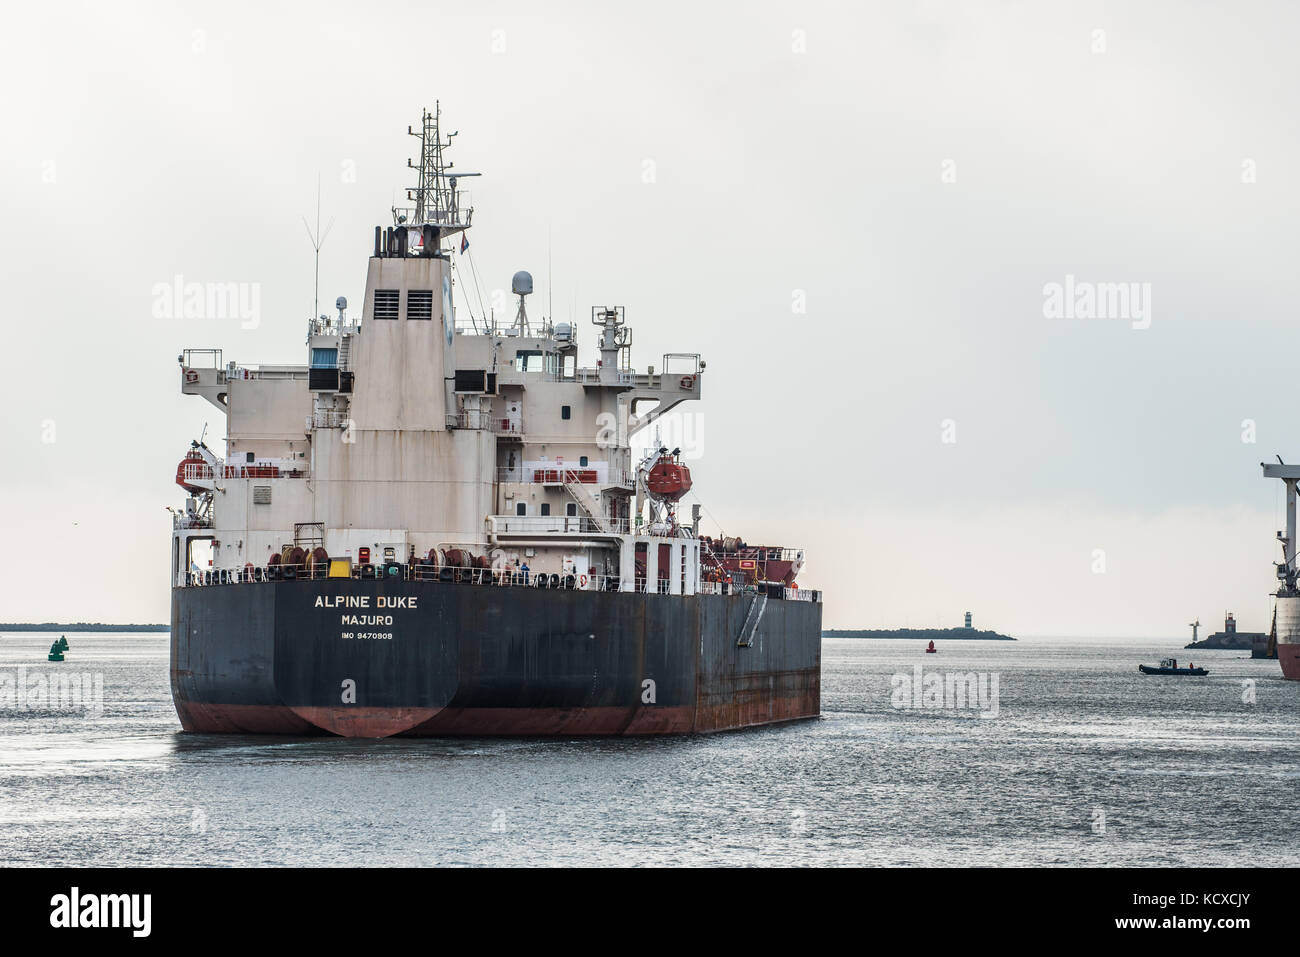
(464,242)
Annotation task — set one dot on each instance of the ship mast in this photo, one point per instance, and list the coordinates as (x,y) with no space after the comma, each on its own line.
(437,202)
(1290,475)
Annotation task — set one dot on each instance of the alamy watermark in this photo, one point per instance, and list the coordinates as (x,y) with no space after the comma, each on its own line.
(179,299)
(1079,299)
(41,690)
(683,431)
(951,691)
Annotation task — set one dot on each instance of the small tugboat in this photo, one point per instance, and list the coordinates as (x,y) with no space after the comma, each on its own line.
(1169,666)
(56,652)
(932,649)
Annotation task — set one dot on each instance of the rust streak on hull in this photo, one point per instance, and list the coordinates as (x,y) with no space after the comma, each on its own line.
(487,722)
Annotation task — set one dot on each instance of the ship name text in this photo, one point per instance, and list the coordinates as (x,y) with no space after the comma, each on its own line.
(363,601)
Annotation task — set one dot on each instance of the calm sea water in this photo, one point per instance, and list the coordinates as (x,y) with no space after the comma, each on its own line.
(1087,762)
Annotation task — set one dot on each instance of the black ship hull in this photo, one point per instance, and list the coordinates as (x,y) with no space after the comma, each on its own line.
(379,658)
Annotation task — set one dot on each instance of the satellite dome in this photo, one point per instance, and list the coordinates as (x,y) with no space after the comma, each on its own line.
(522,283)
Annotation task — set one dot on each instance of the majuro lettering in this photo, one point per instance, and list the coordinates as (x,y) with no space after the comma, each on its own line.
(364,620)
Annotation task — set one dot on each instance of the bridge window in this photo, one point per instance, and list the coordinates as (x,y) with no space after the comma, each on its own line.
(324,358)
(528,361)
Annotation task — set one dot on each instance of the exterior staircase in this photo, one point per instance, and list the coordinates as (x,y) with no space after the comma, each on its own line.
(587,500)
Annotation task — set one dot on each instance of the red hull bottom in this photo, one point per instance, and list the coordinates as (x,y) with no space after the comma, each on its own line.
(1288,656)
(486,722)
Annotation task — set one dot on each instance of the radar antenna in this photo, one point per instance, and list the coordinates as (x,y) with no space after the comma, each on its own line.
(317,241)
(521,284)
(437,202)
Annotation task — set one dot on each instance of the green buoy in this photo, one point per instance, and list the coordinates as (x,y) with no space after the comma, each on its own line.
(56,653)
(63,642)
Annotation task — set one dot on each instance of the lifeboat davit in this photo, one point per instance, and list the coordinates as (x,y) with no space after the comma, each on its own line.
(668,479)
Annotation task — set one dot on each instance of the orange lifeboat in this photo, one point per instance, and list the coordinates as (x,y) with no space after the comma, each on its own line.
(193,462)
(668,479)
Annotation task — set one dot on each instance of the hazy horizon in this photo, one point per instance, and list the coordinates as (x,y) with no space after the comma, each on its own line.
(857,216)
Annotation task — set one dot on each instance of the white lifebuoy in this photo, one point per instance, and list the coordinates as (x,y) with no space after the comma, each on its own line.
(582,581)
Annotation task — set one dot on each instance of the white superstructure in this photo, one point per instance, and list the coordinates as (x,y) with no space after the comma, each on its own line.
(408,434)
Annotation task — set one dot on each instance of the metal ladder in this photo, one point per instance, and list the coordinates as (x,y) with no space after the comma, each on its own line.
(345,351)
(750,628)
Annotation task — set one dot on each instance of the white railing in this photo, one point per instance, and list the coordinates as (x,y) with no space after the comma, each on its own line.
(557,475)
(690,363)
(483,419)
(754,553)
(189,520)
(719,588)
(557,525)
(201,359)
(516,576)
(592,377)
(256,372)
(332,326)
(330,419)
(202,472)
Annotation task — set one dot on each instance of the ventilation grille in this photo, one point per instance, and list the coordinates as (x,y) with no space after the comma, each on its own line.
(386,303)
(419,304)
(261,495)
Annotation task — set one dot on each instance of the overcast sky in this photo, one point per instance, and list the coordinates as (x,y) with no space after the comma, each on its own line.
(851,213)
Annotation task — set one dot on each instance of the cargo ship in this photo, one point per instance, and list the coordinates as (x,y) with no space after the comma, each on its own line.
(438,525)
(1284,637)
